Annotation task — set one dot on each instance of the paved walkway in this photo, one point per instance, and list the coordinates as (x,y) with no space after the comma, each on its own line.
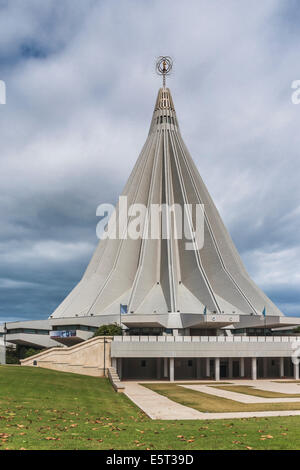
(157,406)
(292,388)
(240,397)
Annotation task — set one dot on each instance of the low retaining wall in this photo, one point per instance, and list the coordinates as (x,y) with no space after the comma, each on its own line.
(92,357)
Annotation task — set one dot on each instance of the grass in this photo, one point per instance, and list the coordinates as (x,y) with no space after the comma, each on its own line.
(44,409)
(248,390)
(204,383)
(212,404)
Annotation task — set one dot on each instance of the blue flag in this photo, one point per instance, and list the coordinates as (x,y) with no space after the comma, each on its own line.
(205,310)
(264,312)
(123,309)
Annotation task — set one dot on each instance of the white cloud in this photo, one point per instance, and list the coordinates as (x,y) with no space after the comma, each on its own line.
(46,251)
(13,284)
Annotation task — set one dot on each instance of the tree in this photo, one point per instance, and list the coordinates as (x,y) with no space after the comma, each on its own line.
(13,355)
(109,330)
(32,351)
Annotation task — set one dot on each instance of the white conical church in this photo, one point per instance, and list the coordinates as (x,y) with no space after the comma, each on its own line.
(187,306)
(160,276)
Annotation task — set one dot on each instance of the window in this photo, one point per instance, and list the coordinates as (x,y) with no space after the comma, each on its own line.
(168,331)
(156,331)
(190,363)
(28,331)
(65,327)
(143,363)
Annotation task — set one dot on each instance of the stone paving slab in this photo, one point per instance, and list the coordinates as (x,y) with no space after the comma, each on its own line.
(157,406)
(270,386)
(248,414)
(239,397)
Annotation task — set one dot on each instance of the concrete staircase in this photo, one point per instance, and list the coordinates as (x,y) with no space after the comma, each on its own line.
(115,380)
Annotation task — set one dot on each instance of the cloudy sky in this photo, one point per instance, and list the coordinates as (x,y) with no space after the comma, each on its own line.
(81,88)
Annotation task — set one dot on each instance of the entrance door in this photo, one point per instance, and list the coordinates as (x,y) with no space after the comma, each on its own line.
(235,369)
(223,369)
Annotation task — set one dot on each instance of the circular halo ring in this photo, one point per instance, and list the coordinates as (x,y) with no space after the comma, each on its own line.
(164,65)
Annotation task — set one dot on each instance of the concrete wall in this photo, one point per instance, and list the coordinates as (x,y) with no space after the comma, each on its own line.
(85,358)
(195,346)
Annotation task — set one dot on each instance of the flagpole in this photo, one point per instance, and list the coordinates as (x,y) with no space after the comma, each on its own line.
(265,322)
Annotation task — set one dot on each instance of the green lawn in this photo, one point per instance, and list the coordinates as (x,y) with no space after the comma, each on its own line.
(43,409)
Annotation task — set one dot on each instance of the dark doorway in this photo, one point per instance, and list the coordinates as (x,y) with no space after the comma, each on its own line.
(223,369)
(139,368)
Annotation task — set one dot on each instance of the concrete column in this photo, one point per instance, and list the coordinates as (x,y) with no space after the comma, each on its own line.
(253,368)
(158,368)
(175,332)
(242,367)
(114,362)
(217,368)
(172,366)
(165,367)
(207,367)
(198,368)
(296,371)
(265,367)
(230,368)
(281,366)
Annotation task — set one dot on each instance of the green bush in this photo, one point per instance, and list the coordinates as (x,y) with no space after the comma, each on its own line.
(31,352)
(109,330)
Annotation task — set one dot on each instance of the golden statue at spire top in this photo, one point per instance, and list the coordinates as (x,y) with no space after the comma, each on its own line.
(164,66)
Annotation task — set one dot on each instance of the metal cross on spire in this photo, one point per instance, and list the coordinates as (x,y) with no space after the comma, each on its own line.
(164,66)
